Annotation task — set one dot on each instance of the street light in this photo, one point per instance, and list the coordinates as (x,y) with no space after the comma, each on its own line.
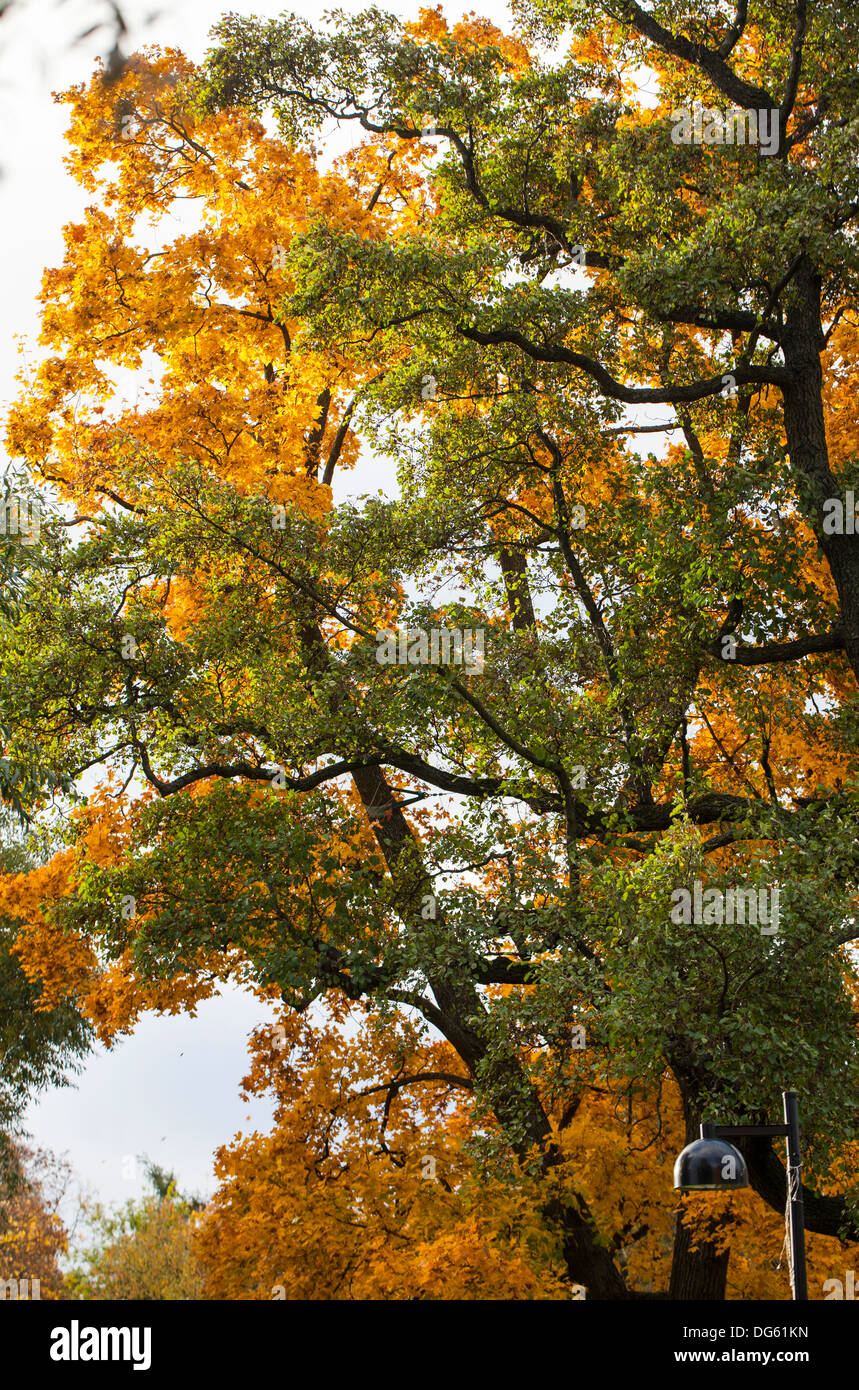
(710,1164)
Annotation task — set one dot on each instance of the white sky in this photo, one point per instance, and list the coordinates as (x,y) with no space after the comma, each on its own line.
(170,1090)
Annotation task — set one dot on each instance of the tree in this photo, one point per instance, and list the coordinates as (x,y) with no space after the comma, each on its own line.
(365,1189)
(144,1249)
(402,1189)
(667,707)
(33,1236)
(39,1047)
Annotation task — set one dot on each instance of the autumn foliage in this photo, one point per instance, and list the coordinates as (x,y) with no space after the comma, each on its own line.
(395,1189)
(449,878)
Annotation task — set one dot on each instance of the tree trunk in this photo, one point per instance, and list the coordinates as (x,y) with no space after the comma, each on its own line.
(460,1014)
(587,1262)
(804,424)
(701,1273)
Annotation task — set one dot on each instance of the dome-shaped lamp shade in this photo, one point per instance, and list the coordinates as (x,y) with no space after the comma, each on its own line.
(710,1163)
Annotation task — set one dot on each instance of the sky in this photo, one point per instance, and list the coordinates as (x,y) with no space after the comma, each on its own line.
(171,1090)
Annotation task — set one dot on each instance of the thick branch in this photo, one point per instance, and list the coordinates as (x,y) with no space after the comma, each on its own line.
(828,1216)
(709,61)
(773,652)
(616,390)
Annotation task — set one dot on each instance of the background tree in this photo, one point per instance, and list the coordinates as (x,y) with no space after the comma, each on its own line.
(495,852)
(39,1047)
(33,1235)
(142,1250)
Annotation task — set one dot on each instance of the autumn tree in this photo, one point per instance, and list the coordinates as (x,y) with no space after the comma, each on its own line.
(513,250)
(364,1187)
(33,1235)
(382,1178)
(39,1047)
(143,1249)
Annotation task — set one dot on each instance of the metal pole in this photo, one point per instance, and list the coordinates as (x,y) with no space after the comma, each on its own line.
(796,1219)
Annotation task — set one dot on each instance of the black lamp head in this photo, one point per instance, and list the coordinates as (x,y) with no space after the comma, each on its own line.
(710,1164)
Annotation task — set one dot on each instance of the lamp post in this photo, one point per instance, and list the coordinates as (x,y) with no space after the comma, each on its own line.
(710,1164)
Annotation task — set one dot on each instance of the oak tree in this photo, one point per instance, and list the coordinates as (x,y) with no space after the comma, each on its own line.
(514,250)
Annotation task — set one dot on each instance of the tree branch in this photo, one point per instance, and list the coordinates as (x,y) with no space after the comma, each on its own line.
(616,390)
(773,652)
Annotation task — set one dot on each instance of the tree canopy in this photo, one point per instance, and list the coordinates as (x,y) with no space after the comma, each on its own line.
(511,255)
